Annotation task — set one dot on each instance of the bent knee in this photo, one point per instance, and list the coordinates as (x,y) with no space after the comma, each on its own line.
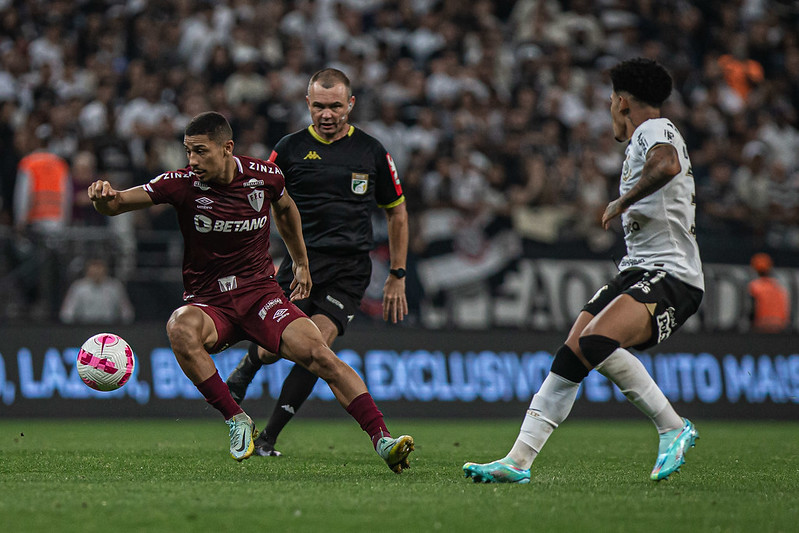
(184,327)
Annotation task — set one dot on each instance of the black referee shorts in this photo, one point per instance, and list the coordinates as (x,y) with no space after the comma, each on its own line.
(339,283)
(673,300)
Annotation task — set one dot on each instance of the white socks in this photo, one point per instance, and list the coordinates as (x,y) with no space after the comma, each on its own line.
(554,400)
(549,408)
(627,372)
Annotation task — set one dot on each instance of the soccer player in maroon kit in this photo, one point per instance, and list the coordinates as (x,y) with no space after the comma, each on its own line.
(223,204)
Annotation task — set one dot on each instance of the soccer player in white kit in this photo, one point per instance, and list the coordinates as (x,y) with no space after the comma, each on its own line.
(660,283)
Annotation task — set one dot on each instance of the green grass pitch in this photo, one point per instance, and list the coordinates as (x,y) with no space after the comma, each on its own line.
(176,475)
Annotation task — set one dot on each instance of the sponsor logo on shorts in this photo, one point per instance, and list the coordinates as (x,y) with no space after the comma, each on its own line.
(334,302)
(269,305)
(228,283)
(666,324)
(280,314)
(643,286)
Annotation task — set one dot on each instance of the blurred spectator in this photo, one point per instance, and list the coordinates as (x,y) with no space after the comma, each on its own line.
(425,136)
(771,310)
(96,298)
(392,133)
(752,182)
(8,161)
(43,193)
(740,72)
(246,84)
(777,130)
(42,209)
(722,208)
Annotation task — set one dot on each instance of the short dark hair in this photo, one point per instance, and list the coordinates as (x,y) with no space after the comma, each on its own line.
(210,123)
(328,77)
(646,80)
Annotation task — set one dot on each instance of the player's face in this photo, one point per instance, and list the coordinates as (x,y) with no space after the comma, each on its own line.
(330,110)
(618,114)
(207,158)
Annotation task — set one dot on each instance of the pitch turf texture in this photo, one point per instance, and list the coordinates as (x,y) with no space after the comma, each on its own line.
(143,475)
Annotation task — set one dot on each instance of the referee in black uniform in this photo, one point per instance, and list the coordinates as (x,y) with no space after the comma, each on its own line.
(335,173)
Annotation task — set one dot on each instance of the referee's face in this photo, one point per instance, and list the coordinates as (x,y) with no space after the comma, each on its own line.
(330,108)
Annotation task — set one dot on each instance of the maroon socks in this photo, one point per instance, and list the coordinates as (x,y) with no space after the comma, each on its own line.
(364,410)
(218,395)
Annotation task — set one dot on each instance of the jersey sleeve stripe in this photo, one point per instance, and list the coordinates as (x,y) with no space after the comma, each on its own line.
(395,203)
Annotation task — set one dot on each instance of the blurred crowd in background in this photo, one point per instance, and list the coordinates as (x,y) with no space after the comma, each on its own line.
(495,112)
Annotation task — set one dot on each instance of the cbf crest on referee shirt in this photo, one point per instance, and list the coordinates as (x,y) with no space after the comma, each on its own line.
(256,199)
(360,182)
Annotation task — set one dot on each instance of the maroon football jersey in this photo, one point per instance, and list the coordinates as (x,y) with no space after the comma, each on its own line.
(225,227)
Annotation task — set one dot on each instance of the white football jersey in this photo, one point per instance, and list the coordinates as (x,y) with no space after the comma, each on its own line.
(659,230)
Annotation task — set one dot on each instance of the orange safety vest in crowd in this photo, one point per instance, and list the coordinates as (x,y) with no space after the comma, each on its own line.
(48,183)
(740,74)
(771,309)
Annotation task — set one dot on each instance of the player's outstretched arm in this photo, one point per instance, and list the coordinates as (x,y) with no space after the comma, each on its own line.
(662,164)
(109,201)
(288,223)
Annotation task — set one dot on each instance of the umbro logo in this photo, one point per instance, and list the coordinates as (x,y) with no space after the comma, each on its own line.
(312,155)
(280,314)
(204,203)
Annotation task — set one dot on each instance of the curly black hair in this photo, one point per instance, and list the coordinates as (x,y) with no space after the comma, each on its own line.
(643,78)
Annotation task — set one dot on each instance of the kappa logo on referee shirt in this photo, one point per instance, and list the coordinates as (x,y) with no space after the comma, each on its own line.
(312,155)
(360,183)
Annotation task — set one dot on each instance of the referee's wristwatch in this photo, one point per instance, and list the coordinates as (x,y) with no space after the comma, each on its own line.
(398,273)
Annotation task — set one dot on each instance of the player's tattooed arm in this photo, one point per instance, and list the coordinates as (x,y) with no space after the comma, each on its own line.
(662,164)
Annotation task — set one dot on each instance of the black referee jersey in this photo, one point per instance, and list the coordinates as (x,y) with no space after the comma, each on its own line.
(336,185)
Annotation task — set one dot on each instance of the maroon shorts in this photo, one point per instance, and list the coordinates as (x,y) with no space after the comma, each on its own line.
(257,313)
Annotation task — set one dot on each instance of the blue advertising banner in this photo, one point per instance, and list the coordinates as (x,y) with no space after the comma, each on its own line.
(410,372)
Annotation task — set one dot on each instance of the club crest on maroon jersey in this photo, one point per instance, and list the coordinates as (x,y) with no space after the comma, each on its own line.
(256,199)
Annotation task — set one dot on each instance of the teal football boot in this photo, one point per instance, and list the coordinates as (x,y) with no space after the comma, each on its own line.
(501,471)
(672,449)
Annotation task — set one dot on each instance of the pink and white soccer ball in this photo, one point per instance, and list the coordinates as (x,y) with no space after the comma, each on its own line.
(105,362)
